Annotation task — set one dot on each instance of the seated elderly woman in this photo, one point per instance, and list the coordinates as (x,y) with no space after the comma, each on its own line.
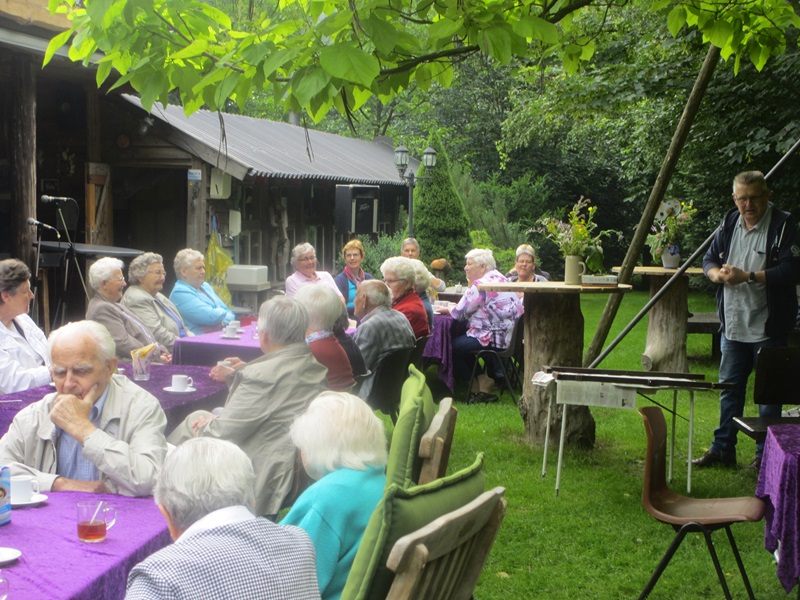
(127,330)
(343,446)
(400,274)
(525,268)
(351,277)
(200,308)
(352,350)
(304,261)
(490,316)
(24,359)
(144,299)
(324,307)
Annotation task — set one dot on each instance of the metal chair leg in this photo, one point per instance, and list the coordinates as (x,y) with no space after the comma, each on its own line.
(664,562)
(720,574)
(739,562)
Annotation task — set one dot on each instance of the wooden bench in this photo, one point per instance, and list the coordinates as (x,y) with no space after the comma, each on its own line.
(706,323)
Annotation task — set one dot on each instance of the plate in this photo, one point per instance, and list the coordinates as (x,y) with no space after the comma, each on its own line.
(8,555)
(34,501)
(188,390)
(230,337)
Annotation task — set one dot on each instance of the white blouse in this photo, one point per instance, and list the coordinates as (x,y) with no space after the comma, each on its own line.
(24,358)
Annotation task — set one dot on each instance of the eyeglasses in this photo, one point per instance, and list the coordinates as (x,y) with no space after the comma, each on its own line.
(119,279)
(392,280)
(353,255)
(157,273)
(746,199)
(307,259)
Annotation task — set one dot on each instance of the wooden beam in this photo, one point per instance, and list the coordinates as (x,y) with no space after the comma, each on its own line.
(22,137)
(196,201)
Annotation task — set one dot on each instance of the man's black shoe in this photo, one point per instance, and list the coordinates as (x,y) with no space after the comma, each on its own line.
(755,465)
(481,398)
(712,459)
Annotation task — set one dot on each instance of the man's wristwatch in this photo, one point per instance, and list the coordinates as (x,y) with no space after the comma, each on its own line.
(752,277)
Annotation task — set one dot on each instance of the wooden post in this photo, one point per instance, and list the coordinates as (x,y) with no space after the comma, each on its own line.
(666,327)
(196,200)
(554,337)
(22,113)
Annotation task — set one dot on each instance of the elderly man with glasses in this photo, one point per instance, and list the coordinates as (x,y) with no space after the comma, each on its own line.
(755,260)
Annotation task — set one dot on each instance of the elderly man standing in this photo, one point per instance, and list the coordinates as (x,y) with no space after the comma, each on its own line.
(754,258)
(221,550)
(381,331)
(98,432)
(266,396)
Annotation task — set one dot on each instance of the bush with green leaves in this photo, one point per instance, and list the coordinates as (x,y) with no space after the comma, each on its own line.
(440,221)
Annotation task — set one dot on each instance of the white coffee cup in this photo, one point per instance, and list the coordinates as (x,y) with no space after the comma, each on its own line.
(181,382)
(237,324)
(231,330)
(23,487)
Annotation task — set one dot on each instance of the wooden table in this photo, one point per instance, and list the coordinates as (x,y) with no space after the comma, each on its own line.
(553,336)
(779,488)
(666,325)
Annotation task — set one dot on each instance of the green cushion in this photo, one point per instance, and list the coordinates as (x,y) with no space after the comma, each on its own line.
(416,413)
(401,511)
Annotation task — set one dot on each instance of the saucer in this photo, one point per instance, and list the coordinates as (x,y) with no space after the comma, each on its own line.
(35,500)
(9,555)
(230,337)
(189,389)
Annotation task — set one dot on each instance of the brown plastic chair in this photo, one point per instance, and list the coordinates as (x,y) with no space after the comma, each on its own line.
(434,447)
(505,357)
(443,560)
(688,514)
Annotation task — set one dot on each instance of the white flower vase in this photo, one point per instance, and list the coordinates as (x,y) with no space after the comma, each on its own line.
(573,269)
(671,257)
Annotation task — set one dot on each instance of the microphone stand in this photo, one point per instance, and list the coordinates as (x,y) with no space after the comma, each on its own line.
(35,290)
(62,302)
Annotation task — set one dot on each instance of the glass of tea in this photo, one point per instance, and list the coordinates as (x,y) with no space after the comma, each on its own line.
(95,517)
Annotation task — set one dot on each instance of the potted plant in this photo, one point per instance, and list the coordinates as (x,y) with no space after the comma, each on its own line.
(577,239)
(671,222)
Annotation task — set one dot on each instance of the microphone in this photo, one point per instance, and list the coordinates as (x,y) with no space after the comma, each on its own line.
(35,223)
(49,199)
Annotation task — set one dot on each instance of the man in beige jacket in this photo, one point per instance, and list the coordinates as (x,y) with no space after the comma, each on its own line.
(266,395)
(98,432)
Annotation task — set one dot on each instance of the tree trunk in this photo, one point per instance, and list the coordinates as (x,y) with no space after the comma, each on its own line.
(666,327)
(553,337)
(656,196)
(22,109)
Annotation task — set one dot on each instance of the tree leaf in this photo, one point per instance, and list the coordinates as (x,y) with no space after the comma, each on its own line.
(496,42)
(56,43)
(308,83)
(349,63)
(676,19)
(382,34)
(196,48)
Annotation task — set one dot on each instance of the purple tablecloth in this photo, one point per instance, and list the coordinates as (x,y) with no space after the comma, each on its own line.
(209,348)
(440,346)
(54,564)
(209,394)
(779,487)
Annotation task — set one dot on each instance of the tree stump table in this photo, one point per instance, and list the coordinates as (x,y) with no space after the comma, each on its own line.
(553,336)
(666,324)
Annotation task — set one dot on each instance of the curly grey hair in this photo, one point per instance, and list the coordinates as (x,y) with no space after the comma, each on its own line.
(483,257)
(186,258)
(103,270)
(138,267)
(301,249)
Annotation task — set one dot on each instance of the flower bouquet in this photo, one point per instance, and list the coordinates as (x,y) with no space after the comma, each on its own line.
(671,222)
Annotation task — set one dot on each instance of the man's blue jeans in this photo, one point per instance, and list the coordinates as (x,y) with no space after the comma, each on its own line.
(738,360)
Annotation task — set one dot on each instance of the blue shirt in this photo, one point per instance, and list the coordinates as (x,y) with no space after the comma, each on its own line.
(70,462)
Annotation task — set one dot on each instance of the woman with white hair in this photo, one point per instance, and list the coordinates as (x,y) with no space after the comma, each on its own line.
(304,261)
(400,274)
(24,359)
(324,309)
(343,447)
(127,330)
(144,299)
(201,309)
(490,316)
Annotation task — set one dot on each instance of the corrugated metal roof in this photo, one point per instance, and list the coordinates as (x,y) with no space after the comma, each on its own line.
(274,149)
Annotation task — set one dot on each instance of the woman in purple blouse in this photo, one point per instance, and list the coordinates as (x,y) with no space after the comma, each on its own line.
(490,316)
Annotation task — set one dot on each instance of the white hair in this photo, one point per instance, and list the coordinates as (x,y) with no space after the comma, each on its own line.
(284,320)
(301,249)
(97,332)
(323,305)
(526,249)
(402,267)
(103,270)
(339,431)
(482,256)
(203,475)
(423,279)
(409,241)
(376,292)
(138,267)
(186,258)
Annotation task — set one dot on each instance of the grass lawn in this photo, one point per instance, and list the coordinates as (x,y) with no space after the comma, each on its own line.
(595,540)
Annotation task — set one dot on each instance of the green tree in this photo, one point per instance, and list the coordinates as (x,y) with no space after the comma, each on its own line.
(440,221)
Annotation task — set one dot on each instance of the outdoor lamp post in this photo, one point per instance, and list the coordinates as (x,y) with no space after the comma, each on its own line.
(401,162)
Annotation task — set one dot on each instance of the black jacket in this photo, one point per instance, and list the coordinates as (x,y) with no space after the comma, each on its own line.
(782,271)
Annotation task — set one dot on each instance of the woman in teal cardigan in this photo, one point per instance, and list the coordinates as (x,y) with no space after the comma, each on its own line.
(343,446)
(201,309)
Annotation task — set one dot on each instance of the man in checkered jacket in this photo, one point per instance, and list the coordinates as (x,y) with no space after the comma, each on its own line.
(206,493)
